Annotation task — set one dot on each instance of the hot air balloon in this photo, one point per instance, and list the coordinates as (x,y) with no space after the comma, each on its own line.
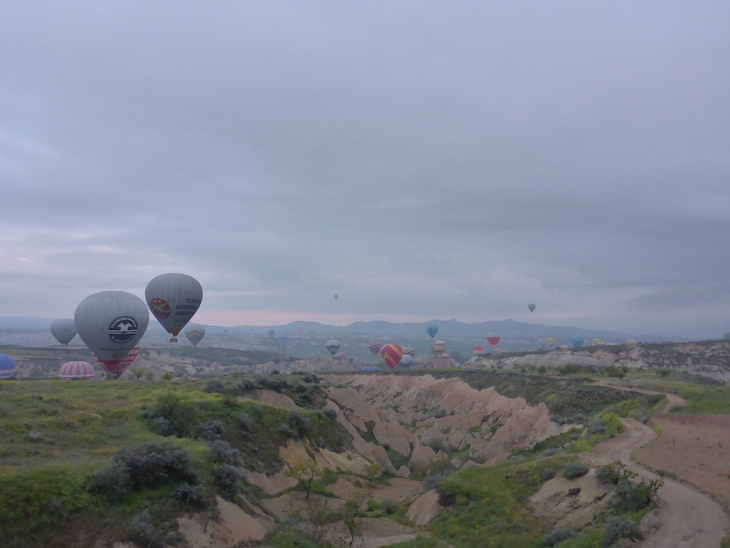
(374,348)
(597,342)
(336,296)
(432,329)
(478,350)
(391,354)
(551,342)
(406,361)
(341,355)
(370,368)
(76,370)
(195,333)
(7,366)
(408,350)
(64,330)
(493,339)
(111,323)
(541,343)
(439,347)
(531,307)
(272,333)
(333,346)
(632,341)
(577,341)
(173,299)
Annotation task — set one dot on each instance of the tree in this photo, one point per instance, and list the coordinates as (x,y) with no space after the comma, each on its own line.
(372,471)
(138,372)
(305,473)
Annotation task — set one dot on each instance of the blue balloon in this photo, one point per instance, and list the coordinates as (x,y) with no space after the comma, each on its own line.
(7,366)
(369,368)
(577,341)
(432,329)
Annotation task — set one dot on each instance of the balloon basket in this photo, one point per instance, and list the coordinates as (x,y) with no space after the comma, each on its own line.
(174,339)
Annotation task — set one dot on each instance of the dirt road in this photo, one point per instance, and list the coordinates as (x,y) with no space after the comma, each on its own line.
(688,518)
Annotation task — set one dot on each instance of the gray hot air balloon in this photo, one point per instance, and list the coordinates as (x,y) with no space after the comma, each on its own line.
(173,299)
(64,329)
(333,346)
(195,333)
(531,307)
(111,323)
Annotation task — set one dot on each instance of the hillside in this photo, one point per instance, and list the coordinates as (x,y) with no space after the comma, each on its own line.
(242,448)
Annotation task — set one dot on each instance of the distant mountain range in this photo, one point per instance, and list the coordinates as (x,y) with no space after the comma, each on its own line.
(448,329)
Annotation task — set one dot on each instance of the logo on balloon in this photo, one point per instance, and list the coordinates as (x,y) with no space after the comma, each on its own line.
(122,329)
(160,308)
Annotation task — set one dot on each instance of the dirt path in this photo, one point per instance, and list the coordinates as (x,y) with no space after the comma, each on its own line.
(688,518)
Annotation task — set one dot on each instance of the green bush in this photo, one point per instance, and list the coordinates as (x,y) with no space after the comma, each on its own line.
(558,536)
(574,470)
(617,528)
(146,533)
(221,452)
(147,465)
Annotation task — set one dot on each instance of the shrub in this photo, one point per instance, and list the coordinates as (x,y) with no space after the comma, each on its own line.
(214,387)
(146,533)
(190,494)
(163,426)
(329,413)
(597,427)
(574,470)
(245,421)
(617,528)
(228,479)
(389,506)
(286,430)
(147,465)
(547,474)
(246,385)
(551,451)
(558,536)
(221,452)
(210,431)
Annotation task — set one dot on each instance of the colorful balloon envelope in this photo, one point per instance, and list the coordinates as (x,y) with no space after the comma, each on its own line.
(406,361)
(408,350)
(439,347)
(336,296)
(370,368)
(478,350)
(632,341)
(493,339)
(195,333)
(7,366)
(374,348)
(432,329)
(173,300)
(76,370)
(551,342)
(64,329)
(111,323)
(577,341)
(391,355)
(341,355)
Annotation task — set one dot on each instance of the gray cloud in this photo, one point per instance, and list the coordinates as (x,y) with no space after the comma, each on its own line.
(421,159)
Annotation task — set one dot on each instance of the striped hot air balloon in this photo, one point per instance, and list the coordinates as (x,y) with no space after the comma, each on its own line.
(391,354)
(195,333)
(119,369)
(76,370)
(478,350)
(551,342)
(374,348)
(408,350)
(439,347)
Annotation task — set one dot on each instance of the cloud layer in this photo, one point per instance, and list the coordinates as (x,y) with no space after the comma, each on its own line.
(421,159)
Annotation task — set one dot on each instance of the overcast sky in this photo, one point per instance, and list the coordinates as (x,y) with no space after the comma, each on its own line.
(421,159)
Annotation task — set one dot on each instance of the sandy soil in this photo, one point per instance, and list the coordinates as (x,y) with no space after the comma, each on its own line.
(696,448)
(688,519)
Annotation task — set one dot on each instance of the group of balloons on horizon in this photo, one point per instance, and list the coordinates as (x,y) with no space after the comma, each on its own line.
(111,323)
